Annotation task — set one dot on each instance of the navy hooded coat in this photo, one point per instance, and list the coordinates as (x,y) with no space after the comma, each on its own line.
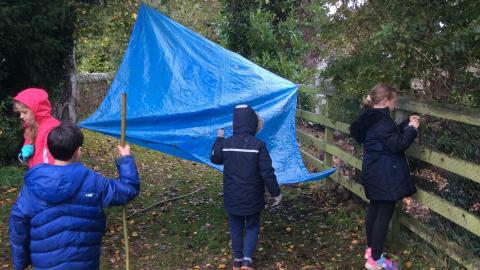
(247,166)
(58,220)
(385,170)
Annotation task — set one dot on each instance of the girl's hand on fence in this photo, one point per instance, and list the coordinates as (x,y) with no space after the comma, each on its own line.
(414,117)
(415,122)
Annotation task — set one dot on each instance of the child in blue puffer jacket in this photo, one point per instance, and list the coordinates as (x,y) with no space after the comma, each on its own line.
(58,220)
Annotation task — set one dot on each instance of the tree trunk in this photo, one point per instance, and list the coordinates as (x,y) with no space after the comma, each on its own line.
(64,108)
(72,110)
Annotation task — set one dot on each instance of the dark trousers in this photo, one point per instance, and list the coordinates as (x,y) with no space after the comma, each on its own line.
(251,224)
(378,218)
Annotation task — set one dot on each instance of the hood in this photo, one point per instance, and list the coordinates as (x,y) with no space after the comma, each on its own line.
(53,183)
(245,120)
(37,100)
(367,118)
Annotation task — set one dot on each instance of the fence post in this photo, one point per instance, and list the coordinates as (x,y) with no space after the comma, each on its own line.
(327,157)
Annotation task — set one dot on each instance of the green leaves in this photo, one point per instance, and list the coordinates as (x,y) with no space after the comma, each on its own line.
(269,33)
(401,41)
(10,135)
(103,31)
(36,39)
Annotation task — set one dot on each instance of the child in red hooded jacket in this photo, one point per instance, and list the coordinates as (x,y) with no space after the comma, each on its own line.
(35,112)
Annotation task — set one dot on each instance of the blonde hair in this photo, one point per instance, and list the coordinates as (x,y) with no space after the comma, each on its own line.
(31,131)
(378,93)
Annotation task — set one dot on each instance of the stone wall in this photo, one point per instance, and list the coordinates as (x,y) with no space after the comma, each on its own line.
(91,90)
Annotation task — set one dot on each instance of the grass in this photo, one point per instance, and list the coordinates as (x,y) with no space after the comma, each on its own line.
(312,230)
(11,178)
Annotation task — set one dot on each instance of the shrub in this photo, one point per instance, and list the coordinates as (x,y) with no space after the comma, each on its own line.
(10,134)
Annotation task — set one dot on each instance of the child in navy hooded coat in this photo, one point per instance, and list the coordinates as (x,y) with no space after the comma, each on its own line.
(58,221)
(385,171)
(247,170)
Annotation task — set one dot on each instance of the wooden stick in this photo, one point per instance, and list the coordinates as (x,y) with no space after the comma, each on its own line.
(124,119)
(165,201)
(124,210)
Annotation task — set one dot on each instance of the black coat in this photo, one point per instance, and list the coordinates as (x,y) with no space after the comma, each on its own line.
(385,171)
(247,166)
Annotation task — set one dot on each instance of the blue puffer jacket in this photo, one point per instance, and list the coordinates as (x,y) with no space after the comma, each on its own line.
(385,170)
(58,220)
(247,166)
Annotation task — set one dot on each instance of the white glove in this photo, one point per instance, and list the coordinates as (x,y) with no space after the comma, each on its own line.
(277,200)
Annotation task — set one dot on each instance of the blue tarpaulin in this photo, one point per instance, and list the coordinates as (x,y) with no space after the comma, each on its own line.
(182,87)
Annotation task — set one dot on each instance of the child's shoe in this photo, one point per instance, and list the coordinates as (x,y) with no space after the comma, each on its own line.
(237,264)
(382,263)
(387,264)
(368,253)
(371,264)
(247,265)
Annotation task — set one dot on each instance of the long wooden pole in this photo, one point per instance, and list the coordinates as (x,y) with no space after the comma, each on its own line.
(124,210)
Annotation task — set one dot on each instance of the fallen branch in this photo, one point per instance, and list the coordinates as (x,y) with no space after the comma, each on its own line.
(164,201)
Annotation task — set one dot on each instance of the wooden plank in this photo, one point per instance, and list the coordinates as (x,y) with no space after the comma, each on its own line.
(435,203)
(451,212)
(351,185)
(327,157)
(463,168)
(394,236)
(453,250)
(329,133)
(443,207)
(457,113)
(331,149)
(308,89)
(322,120)
(343,155)
(453,112)
(315,162)
(308,139)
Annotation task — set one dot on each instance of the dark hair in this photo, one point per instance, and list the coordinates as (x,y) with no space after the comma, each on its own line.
(64,140)
(378,93)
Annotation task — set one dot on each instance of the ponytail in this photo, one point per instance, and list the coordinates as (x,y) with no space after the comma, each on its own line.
(367,102)
(378,93)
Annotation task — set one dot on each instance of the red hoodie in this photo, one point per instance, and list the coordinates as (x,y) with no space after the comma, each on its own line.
(37,101)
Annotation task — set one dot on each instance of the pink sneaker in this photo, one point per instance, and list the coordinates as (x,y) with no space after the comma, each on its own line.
(382,263)
(368,253)
(371,264)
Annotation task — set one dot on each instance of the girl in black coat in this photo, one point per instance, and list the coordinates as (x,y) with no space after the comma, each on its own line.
(385,172)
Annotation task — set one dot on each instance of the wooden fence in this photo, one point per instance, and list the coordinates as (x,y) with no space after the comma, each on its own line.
(448,210)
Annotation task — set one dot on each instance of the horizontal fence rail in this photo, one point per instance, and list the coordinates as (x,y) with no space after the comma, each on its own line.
(435,203)
(460,114)
(463,168)
(448,210)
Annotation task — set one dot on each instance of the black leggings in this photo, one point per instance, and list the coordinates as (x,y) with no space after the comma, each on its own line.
(378,217)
